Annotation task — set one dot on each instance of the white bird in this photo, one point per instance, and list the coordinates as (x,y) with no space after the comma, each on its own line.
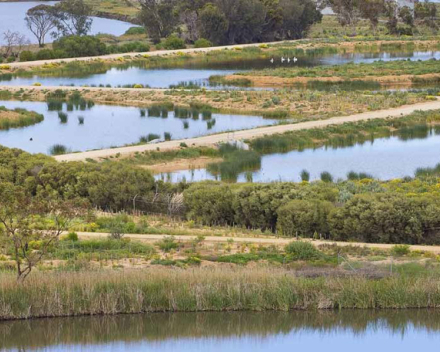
(282,59)
(271,60)
(288,60)
(295,59)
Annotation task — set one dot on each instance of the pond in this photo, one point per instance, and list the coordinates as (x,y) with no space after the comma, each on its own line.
(384,159)
(12,16)
(199,73)
(105,126)
(361,330)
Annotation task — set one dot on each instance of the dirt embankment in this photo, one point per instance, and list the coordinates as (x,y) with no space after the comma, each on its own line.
(181,164)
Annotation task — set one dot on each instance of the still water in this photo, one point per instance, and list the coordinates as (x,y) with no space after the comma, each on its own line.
(106,126)
(199,73)
(345,331)
(384,159)
(12,16)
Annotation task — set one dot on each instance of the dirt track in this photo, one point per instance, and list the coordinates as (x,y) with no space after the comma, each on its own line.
(249,134)
(258,240)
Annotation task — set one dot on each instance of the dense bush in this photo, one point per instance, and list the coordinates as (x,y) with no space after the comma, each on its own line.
(137,47)
(77,46)
(366,211)
(304,218)
(387,218)
(135,31)
(301,250)
(209,203)
(109,186)
(202,43)
(174,43)
(27,55)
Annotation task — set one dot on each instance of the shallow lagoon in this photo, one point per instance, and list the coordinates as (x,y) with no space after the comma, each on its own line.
(384,159)
(106,126)
(199,73)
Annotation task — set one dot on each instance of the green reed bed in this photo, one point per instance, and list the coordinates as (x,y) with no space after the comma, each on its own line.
(18,118)
(160,290)
(235,161)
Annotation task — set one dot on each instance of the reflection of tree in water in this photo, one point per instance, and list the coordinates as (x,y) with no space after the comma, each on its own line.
(164,326)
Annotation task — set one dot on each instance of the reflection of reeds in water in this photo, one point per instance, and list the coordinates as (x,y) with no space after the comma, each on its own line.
(35,334)
(167,136)
(235,161)
(417,125)
(148,138)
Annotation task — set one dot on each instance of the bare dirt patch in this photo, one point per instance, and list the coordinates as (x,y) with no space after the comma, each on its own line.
(181,164)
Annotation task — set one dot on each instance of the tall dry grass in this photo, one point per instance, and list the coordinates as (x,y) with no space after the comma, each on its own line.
(158,290)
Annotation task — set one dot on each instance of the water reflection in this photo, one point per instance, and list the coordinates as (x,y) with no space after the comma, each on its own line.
(227,331)
(384,158)
(198,72)
(102,126)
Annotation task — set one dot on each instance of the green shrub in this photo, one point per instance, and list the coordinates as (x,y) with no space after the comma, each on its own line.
(202,43)
(71,236)
(300,250)
(58,149)
(304,217)
(45,54)
(167,244)
(77,46)
(400,250)
(326,177)
(135,31)
(27,55)
(209,203)
(174,43)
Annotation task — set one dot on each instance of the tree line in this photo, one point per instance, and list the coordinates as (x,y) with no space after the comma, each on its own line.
(229,21)
(399,19)
(364,211)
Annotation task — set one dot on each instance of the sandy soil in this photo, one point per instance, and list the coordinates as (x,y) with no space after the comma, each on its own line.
(181,164)
(250,134)
(9,115)
(257,240)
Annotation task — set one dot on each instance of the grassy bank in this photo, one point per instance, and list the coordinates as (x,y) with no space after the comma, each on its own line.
(92,293)
(18,118)
(391,72)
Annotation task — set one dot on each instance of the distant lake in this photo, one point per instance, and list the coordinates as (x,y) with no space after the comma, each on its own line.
(12,16)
